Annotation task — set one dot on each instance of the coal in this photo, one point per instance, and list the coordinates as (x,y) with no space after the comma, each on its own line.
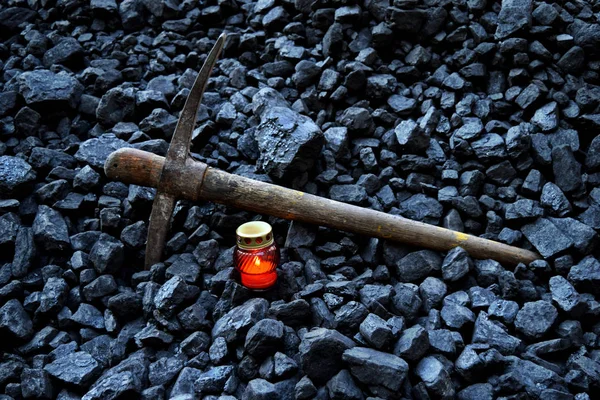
(213,380)
(546,237)
(376,331)
(116,105)
(536,318)
(15,173)
(494,334)
(265,336)
(50,230)
(41,88)
(321,353)
(376,368)
(456,264)
(234,325)
(434,375)
(287,142)
(417,265)
(343,386)
(78,369)
(66,52)
(260,389)
(412,344)
(15,321)
(95,151)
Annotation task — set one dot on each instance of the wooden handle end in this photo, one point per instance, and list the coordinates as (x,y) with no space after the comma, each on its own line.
(134,166)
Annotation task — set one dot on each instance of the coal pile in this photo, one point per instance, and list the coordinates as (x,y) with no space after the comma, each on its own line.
(477,115)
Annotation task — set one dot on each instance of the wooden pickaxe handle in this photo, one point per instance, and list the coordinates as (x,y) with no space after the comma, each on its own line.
(200,182)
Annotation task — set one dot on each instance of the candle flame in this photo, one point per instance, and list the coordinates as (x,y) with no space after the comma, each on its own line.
(257,261)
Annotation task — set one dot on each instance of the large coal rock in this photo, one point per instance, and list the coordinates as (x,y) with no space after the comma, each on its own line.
(95,151)
(514,16)
(43,88)
(15,173)
(12,17)
(321,353)
(288,142)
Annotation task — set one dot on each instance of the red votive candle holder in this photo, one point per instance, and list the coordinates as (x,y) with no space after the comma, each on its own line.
(256,256)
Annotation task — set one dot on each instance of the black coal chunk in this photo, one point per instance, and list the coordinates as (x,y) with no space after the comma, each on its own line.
(287,141)
(95,151)
(321,353)
(15,173)
(43,88)
(536,318)
(50,230)
(494,334)
(546,237)
(383,372)
(264,337)
(415,266)
(234,325)
(78,369)
(14,320)
(435,376)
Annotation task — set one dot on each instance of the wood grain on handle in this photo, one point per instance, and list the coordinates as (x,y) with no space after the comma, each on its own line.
(134,166)
(198,182)
(264,198)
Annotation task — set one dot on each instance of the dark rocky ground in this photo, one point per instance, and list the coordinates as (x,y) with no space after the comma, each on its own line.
(472,115)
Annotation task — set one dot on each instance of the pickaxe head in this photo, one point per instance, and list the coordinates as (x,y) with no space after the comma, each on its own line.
(176,160)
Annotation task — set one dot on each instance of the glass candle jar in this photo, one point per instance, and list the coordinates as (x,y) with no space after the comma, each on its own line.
(256,256)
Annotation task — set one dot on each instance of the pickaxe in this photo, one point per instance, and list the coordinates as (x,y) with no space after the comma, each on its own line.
(178,176)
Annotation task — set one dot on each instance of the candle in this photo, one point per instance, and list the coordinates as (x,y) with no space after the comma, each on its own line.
(256,256)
